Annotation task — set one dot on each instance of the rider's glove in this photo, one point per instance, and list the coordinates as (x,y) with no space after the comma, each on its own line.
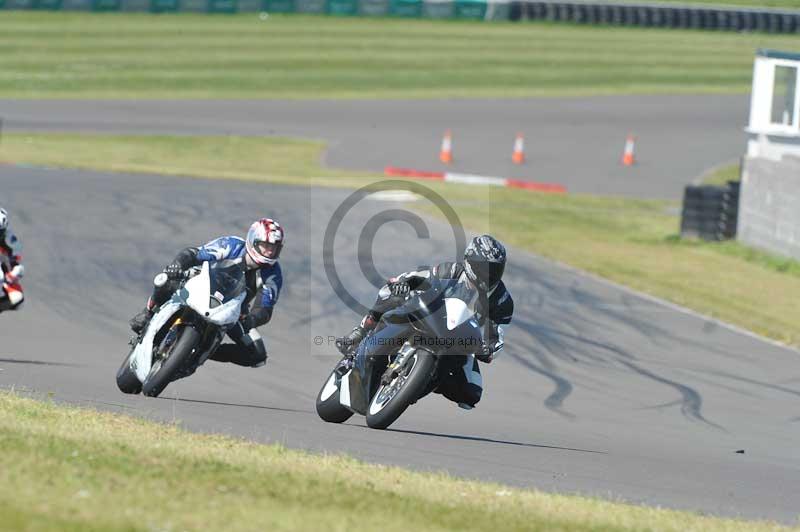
(174,272)
(248,322)
(400,288)
(485,354)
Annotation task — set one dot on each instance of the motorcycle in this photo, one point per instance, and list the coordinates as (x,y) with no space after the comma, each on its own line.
(414,347)
(185,330)
(10,287)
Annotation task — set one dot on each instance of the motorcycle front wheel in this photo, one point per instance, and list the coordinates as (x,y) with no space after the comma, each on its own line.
(409,384)
(177,357)
(328,406)
(127,381)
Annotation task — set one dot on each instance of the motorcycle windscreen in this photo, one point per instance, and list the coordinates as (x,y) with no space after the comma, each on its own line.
(461,302)
(204,295)
(226,280)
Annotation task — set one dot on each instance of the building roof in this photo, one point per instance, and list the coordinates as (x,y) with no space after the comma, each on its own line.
(777,54)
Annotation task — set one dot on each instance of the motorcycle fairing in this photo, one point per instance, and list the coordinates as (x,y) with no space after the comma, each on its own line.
(359,384)
(142,358)
(197,296)
(457,312)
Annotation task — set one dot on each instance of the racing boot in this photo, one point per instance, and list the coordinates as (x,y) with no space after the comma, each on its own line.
(347,345)
(139,322)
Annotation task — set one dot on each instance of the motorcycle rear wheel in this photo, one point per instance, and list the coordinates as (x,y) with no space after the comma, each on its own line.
(164,371)
(391,400)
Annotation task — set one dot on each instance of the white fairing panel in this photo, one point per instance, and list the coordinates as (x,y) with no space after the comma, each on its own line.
(199,288)
(344,390)
(330,387)
(226,314)
(457,312)
(142,356)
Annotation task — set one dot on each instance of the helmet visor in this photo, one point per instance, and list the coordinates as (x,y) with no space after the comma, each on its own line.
(268,250)
(485,274)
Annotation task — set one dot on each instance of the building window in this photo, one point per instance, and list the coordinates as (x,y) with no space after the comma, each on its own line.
(783,95)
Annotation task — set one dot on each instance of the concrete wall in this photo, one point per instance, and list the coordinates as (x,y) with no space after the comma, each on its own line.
(769,205)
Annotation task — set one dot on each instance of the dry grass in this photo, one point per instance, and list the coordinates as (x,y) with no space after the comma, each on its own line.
(66,468)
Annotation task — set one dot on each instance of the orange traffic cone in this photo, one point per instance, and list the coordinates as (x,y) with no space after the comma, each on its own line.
(627,156)
(518,156)
(446,153)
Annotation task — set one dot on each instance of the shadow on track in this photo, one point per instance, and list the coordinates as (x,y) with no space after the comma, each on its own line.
(241,405)
(38,362)
(487,440)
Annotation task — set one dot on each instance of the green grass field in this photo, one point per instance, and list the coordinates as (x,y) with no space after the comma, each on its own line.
(632,242)
(68,469)
(79,55)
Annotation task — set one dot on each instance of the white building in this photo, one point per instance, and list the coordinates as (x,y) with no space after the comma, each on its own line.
(769,206)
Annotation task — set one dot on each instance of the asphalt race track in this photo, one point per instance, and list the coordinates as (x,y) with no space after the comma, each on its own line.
(600,391)
(576,142)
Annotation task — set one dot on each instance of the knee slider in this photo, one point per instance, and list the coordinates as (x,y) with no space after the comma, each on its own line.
(15,298)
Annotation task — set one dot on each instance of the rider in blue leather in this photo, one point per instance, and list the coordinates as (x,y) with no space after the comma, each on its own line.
(259,253)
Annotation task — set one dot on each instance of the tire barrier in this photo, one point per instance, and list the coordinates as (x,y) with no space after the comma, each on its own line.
(710,212)
(701,17)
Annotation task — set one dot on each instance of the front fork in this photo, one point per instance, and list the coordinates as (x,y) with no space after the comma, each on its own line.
(396,365)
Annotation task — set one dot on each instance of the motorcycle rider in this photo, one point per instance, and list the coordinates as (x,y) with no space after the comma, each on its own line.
(259,253)
(483,266)
(11,268)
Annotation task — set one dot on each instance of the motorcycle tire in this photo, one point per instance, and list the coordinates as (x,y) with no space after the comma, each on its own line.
(328,406)
(178,358)
(382,413)
(127,381)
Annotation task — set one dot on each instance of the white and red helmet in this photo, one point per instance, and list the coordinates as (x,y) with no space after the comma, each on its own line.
(264,241)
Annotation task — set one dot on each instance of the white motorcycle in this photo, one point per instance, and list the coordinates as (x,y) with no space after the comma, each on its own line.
(185,330)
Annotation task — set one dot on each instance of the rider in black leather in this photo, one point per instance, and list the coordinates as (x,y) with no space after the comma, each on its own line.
(483,265)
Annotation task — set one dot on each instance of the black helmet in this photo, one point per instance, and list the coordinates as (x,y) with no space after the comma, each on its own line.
(484,262)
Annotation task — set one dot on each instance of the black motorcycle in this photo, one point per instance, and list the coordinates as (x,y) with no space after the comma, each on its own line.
(413,348)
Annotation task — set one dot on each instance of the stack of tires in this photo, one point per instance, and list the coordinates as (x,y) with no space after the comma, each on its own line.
(710,212)
(650,14)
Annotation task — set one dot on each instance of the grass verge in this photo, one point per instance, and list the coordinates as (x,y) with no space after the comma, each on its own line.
(720,175)
(66,468)
(124,55)
(273,159)
(632,242)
